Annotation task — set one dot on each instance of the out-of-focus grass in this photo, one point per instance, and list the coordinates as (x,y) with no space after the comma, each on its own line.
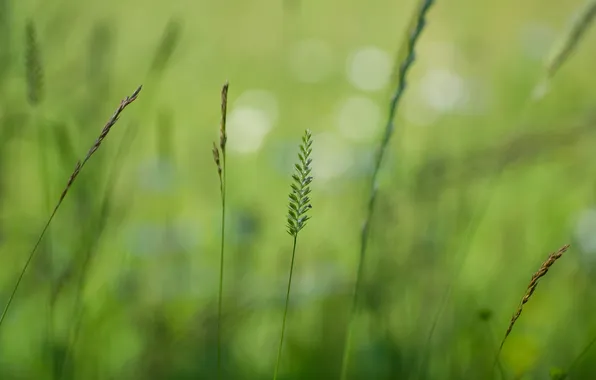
(149,303)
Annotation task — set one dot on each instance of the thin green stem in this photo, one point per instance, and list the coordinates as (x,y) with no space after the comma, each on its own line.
(221,262)
(283,324)
(80,165)
(405,59)
(221,170)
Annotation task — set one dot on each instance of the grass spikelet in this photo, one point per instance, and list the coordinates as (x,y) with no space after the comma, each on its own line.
(78,167)
(542,271)
(299,204)
(33,66)
(405,60)
(572,39)
(220,163)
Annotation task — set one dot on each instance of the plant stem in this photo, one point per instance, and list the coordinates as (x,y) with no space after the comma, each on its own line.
(106,130)
(283,324)
(405,63)
(221,262)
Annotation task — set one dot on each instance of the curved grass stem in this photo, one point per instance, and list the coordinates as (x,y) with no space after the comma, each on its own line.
(220,163)
(79,166)
(405,61)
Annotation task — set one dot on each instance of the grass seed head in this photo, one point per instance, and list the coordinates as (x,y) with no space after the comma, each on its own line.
(542,271)
(299,200)
(223,136)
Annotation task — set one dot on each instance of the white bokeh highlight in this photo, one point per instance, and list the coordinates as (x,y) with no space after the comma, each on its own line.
(369,68)
(585,233)
(253,116)
(443,90)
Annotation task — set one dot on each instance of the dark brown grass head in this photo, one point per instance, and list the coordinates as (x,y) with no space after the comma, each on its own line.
(223,137)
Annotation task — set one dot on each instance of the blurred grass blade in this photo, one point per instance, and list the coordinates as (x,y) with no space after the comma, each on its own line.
(5,36)
(572,39)
(78,167)
(405,60)
(166,47)
(220,163)
(33,65)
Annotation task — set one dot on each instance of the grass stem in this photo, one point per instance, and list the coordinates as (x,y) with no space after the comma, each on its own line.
(283,324)
(298,207)
(79,166)
(405,61)
(221,170)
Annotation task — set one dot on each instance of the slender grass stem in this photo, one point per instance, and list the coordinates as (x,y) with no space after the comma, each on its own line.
(220,163)
(570,41)
(405,60)
(77,170)
(283,324)
(221,265)
(299,204)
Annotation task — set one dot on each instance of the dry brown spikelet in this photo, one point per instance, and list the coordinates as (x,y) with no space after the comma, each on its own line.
(542,271)
(223,136)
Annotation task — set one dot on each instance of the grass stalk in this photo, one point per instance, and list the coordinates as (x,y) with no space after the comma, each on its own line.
(572,38)
(220,162)
(283,324)
(78,167)
(405,60)
(299,204)
(542,271)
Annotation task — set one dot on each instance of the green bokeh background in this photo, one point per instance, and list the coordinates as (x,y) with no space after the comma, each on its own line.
(124,286)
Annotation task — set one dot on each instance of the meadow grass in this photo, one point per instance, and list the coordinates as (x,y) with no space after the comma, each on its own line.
(406,58)
(298,207)
(177,343)
(220,163)
(541,272)
(78,167)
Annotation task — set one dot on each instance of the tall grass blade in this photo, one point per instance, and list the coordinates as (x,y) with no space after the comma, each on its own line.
(405,60)
(572,39)
(220,163)
(167,46)
(78,167)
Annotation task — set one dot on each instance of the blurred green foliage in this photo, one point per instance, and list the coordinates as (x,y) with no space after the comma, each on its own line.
(482,181)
